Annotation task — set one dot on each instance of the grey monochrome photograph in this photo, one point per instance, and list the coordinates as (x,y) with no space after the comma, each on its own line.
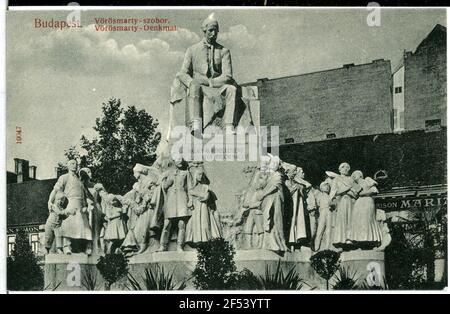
(226,148)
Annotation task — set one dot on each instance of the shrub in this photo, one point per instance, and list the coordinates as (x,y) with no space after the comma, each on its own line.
(325,263)
(215,269)
(112,267)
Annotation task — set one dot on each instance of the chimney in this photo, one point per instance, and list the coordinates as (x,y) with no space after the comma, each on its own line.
(260,81)
(33,172)
(22,169)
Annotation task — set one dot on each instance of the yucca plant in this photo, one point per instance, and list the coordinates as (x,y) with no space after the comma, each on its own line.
(278,280)
(345,279)
(50,288)
(366,286)
(247,280)
(156,279)
(89,280)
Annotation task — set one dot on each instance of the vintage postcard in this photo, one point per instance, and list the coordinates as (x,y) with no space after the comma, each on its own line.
(226,149)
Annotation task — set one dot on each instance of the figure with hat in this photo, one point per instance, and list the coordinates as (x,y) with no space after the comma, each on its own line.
(75,229)
(175,183)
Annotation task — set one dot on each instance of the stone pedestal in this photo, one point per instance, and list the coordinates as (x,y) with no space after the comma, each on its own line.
(61,270)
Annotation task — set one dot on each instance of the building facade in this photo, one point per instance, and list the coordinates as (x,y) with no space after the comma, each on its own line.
(350,101)
(26,199)
(420,84)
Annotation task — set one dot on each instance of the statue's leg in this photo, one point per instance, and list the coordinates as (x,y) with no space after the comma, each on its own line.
(181,234)
(164,242)
(320,232)
(194,118)
(89,245)
(230,105)
(49,237)
(58,240)
(67,245)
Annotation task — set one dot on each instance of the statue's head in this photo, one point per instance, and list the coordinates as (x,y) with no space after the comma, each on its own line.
(72,165)
(344,169)
(210,27)
(300,173)
(139,170)
(178,160)
(325,187)
(274,163)
(357,175)
(264,163)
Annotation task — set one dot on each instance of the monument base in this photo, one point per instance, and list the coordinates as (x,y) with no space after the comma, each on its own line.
(72,272)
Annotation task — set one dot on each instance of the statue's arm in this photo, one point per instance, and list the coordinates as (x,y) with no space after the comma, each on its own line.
(185,74)
(227,71)
(59,186)
(51,199)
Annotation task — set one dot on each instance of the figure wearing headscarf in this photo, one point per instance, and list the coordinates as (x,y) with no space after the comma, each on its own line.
(345,191)
(300,230)
(139,236)
(206,70)
(250,215)
(366,231)
(272,205)
(203,224)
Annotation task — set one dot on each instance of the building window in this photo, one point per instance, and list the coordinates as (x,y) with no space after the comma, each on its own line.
(331,135)
(34,239)
(289,140)
(398,90)
(433,125)
(11,244)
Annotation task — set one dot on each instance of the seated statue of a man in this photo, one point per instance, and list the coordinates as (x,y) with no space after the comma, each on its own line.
(207,70)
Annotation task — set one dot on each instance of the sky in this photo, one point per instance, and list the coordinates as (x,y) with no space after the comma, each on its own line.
(57,80)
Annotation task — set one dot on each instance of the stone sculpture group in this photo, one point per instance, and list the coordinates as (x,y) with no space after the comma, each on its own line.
(172,202)
(279,210)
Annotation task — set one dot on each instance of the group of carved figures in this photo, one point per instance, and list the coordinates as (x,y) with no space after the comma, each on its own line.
(171,195)
(281,211)
(171,200)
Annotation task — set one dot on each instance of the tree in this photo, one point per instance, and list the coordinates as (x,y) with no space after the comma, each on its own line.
(124,137)
(23,270)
